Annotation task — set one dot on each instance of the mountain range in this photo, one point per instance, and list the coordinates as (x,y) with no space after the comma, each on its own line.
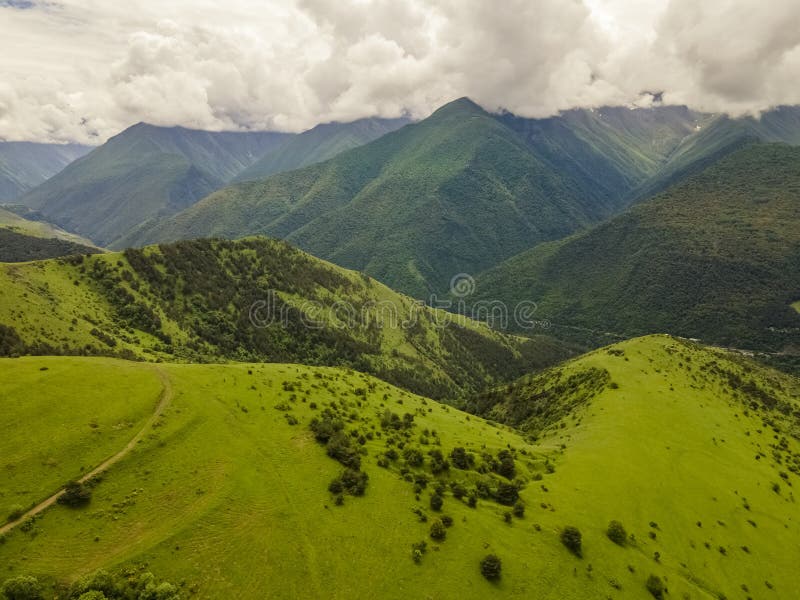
(25,165)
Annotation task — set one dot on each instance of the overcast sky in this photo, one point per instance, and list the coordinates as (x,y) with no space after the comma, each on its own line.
(82,70)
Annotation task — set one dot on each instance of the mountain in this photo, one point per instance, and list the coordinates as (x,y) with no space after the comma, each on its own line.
(145,172)
(457,192)
(254,300)
(319,144)
(24,165)
(716,137)
(233,486)
(715,257)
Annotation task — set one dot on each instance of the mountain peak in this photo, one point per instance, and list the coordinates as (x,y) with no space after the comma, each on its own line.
(460,107)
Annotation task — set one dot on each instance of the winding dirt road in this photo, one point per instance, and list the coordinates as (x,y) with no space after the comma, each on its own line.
(163,403)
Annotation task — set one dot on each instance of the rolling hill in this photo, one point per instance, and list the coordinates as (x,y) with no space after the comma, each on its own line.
(716,257)
(319,144)
(145,172)
(23,240)
(24,165)
(235,490)
(456,192)
(253,300)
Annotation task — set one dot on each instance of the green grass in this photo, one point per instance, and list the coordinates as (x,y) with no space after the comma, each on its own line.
(57,421)
(230,499)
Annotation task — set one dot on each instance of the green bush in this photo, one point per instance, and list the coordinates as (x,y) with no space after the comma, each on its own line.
(22,588)
(438,531)
(616,533)
(571,538)
(655,586)
(491,567)
(519,509)
(75,494)
(436,502)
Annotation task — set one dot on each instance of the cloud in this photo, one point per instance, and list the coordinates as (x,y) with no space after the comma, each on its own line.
(81,70)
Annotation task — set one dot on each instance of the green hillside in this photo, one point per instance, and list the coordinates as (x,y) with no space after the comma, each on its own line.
(253,300)
(23,240)
(716,257)
(145,172)
(319,144)
(227,495)
(457,192)
(24,165)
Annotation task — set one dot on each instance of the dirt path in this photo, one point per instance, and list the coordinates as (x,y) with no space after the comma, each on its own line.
(164,401)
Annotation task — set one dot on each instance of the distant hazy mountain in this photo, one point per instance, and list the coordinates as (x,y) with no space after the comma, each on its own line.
(145,172)
(457,192)
(24,165)
(715,257)
(318,144)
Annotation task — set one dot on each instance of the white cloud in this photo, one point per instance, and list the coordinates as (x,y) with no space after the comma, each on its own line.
(81,70)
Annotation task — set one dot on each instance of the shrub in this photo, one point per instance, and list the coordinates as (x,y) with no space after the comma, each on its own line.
(519,509)
(438,531)
(491,567)
(505,464)
(439,463)
(461,459)
(22,588)
(447,521)
(436,502)
(418,550)
(571,538)
(413,457)
(616,533)
(507,494)
(351,481)
(16,512)
(75,494)
(655,586)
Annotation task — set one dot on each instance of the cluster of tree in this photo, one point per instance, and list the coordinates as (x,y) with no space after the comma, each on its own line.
(128,584)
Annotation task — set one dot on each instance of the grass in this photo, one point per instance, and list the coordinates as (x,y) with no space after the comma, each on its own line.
(228,498)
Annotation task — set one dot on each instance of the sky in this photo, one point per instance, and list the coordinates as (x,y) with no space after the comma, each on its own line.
(83,70)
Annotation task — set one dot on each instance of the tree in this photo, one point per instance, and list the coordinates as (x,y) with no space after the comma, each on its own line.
(461,459)
(22,588)
(519,509)
(616,533)
(75,494)
(491,567)
(436,502)
(655,586)
(505,464)
(507,494)
(571,538)
(438,530)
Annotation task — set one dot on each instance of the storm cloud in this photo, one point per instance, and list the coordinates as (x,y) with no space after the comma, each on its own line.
(82,70)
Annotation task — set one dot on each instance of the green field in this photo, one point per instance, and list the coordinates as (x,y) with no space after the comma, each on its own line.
(228,497)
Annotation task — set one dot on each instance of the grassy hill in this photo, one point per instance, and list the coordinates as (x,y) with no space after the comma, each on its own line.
(319,144)
(253,300)
(228,494)
(24,165)
(145,172)
(457,192)
(716,257)
(23,240)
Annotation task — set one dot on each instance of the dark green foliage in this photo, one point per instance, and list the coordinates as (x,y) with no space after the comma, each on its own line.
(504,465)
(19,247)
(436,502)
(572,540)
(413,457)
(75,495)
(418,550)
(519,509)
(491,567)
(507,493)
(461,459)
(340,448)
(129,584)
(22,588)
(616,533)
(655,586)
(350,481)
(438,463)
(438,531)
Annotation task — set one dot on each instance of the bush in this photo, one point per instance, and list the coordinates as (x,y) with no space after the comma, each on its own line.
(507,494)
(75,494)
(655,586)
(616,533)
(16,512)
(418,550)
(491,567)
(571,538)
(461,459)
(413,457)
(436,502)
(505,464)
(438,531)
(519,509)
(22,588)
(354,482)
